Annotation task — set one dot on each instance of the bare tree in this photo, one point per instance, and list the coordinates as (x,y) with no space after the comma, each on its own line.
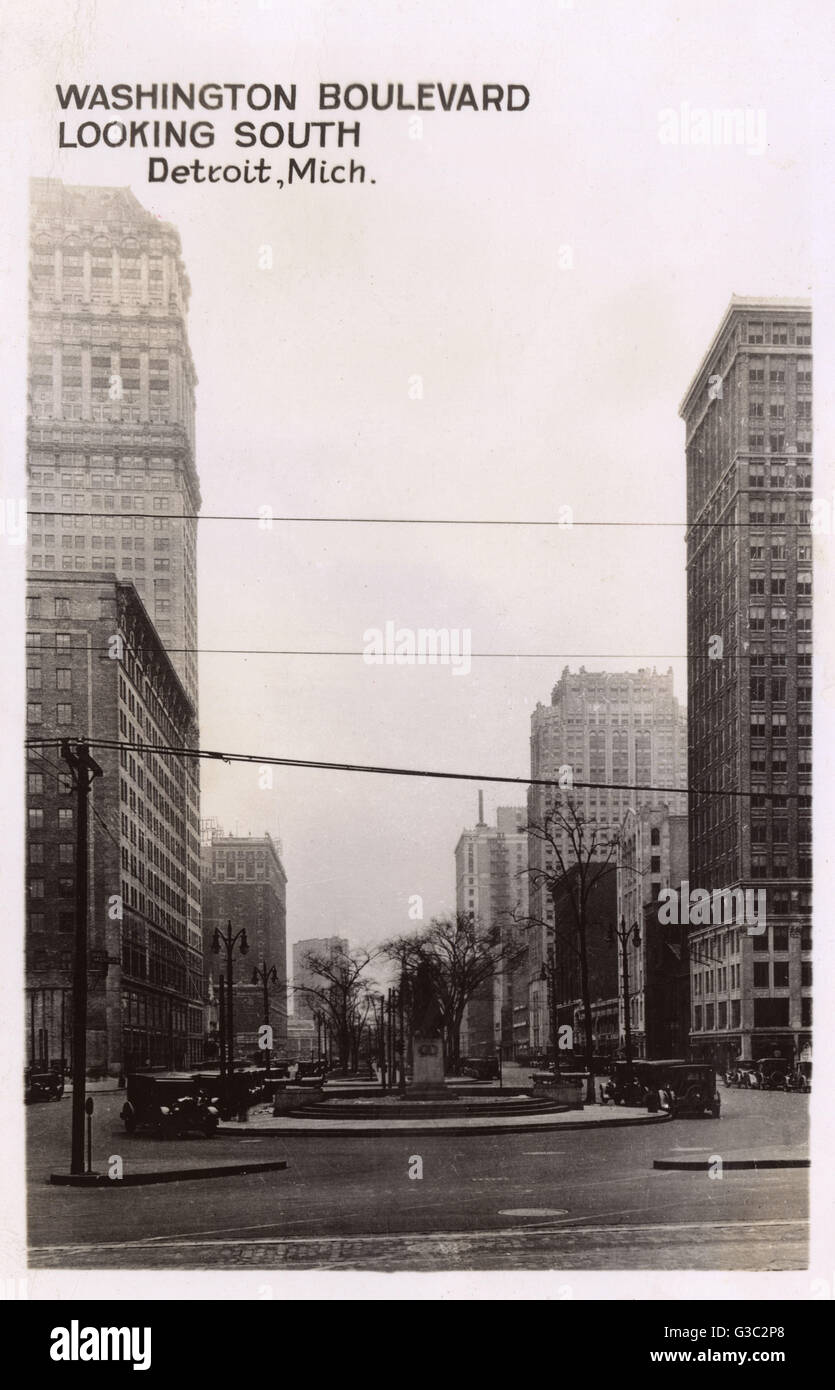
(461,956)
(583,855)
(340,996)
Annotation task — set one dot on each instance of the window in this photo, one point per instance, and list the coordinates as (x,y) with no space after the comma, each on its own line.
(35,818)
(781,974)
(64,714)
(34,713)
(65,853)
(33,678)
(63,678)
(35,784)
(62,606)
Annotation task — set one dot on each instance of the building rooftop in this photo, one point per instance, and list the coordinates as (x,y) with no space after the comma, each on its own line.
(741,303)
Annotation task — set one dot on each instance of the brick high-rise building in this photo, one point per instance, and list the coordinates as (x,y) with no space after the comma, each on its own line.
(244,883)
(748,416)
(110,447)
(145,944)
(606,728)
(491,883)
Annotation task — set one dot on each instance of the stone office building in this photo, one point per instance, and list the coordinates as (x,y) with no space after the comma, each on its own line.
(491,883)
(748,418)
(601,728)
(144,940)
(244,883)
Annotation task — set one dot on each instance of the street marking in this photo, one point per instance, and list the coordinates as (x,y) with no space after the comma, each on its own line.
(535,1211)
(533,1153)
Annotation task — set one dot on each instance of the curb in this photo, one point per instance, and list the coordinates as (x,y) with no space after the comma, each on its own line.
(166,1175)
(703,1165)
(345,1131)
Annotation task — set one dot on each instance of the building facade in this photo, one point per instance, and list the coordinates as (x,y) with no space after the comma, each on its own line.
(652,858)
(113,501)
(325,947)
(144,938)
(601,727)
(748,418)
(244,884)
(111,455)
(491,883)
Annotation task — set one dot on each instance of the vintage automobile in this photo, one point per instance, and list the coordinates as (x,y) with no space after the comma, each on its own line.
(773,1073)
(742,1074)
(623,1089)
(171,1103)
(682,1088)
(481,1068)
(801,1078)
(42,1083)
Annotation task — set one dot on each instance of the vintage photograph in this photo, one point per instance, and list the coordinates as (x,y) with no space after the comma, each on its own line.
(418,539)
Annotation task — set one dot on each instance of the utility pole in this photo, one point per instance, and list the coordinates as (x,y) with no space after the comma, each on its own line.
(85,769)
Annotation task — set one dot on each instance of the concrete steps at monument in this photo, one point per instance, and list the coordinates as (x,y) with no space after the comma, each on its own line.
(424,1110)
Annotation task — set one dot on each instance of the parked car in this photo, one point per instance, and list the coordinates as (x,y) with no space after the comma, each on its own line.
(171,1103)
(682,1088)
(741,1074)
(801,1078)
(627,1084)
(481,1068)
(42,1083)
(773,1073)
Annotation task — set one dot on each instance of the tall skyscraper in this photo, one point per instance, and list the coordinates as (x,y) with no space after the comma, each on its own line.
(244,883)
(113,497)
(491,883)
(111,404)
(607,728)
(748,417)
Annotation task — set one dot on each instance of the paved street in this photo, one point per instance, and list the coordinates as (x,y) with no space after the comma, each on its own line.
(560,1200)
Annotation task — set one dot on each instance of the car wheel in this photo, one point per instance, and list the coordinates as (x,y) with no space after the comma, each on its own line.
(129,1117)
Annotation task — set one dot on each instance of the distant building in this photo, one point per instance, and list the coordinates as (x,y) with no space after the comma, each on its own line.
(748,418)
(652,856)
(614,729)
(95,667)
(491,883)
(244,883)
(325,948)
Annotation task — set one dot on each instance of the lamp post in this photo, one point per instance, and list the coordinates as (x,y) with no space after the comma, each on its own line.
(380,1025)
(548,973)
(229,940)
(266,976)
(402,1002)
(625,935)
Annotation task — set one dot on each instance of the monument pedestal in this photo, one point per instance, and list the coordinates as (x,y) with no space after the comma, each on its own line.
(427,1067)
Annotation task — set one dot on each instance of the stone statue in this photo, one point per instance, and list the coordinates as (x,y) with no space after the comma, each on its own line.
(426,1011)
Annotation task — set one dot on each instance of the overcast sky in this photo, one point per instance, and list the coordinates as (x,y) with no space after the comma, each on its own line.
(545,383)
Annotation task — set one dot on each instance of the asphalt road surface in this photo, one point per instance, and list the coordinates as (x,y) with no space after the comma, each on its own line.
(559,1200)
